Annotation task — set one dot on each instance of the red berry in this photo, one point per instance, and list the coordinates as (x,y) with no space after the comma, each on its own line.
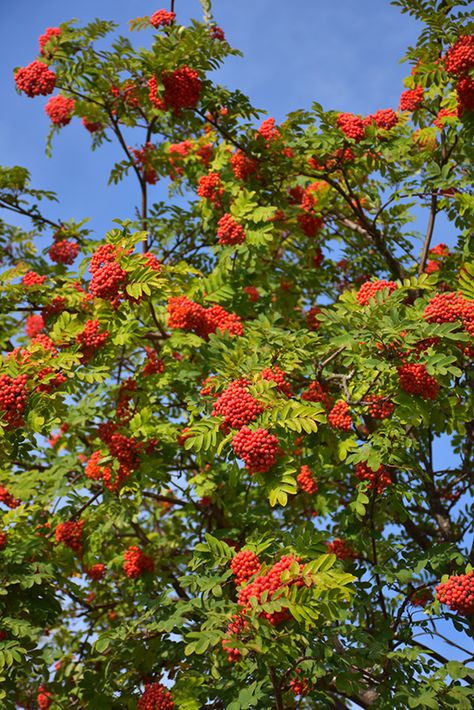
(341,549)
(242,166)
(44,39)
(210,187)
(96,572)
(306,480)
(258,449)
(340,416)
(411,99)
(237,406)
(161,18)
(60,109)
(415,380)
(459,58)
(70,534)
(7,499)
(368,290)
(380,407)
(136,563)
(458,593)
(229,231)
(275,374)
(63,252)
(378,480)
(244,565)
(13,399)
(351,125)
(35,79)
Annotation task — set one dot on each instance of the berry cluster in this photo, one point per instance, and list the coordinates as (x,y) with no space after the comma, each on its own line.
(108,277)
(268,131)
(136,562)
(306,480)
(34,325)
(341,549)
(252,293)
(70,534)
(13,398)
(43,40)
(60,110)
(229,231)
(378,480)
(271,583)
(449,307)
(384,118)
(96,572)
(155,695)
(242,166)
(182,89)
(244,565)
(317,393)
(7,499)
(458,593)
(258,449)
(236,405)
(459,58)
(352,126)
(299,685)
(89,339)
(92,126)
(234,628)
(63,251)
(187,315)
(153,364)
(310,224)
(421,597)
(465,94)
(44,698)
(210,188)
(275,374)
(35,79)
(340,416)
(31,278)
(312,319)
(161,18)
(415,380)
(379,407)
(368,290)
(411,99)
(3,540)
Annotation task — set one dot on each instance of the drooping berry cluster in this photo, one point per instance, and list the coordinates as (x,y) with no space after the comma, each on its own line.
(378,480)
(368,290)
(48,34)
(34,325)
(458,593)
(161,18)
(108,277)
(411,99)
(13,399)
(155,695)
(312,318)
(268,129)
(341,549)
(193,317)
(415,380)
(459,58)
(229,231)
(276,374)
(449,307)
(271,583)
(379,407)
(242,166)
(352,126)
(465,94)
(384,118)
(237,405)
(63,251)
(153,364)
(306,480)
(244,565)
(210,188)
(44,698)
(234,629)
(252,292)
(31,278)
(35,79)
(60,110)
(7,499)
(340,416)
(310,224)
(70,534)
(96,572)
(258,449)
(136,563)
(3,540)
(90,339)
(92,126)
(299,685)
(182,88)
(316,393)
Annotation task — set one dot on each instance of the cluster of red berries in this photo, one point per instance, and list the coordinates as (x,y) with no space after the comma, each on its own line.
(415,380)
(229,231)
(44,698)
(7,499)
(341,549)
(449,307)
(317,393)
(242,166)
(49,33)
(63,251)
(379,407)
(50,379)
(34,325)
(35,79)
(92,126)
(300,685)
(378,480)
(312,318)
(70,534)
(258,449)
(153,364)
(96,572)
(458,593)
(181,89)
(421,597)
(161,18)
(268,130)
(275,374)
(125,449)
(31,278)
(3,540)
(368,290)
(384,118)
(136,562)
(411,99)
(310,224)
(270,582)
(351,125)
(13,398)
(252,293)
(340,416)
(193,317)
(244,565)
(465,94)
(459,58)
(90,339)
(210,188)
(155,695)
(306,480)
(236,405)
(234,628)
(60,110)
(108,277)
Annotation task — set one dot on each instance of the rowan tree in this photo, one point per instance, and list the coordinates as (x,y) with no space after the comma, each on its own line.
(219,483)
